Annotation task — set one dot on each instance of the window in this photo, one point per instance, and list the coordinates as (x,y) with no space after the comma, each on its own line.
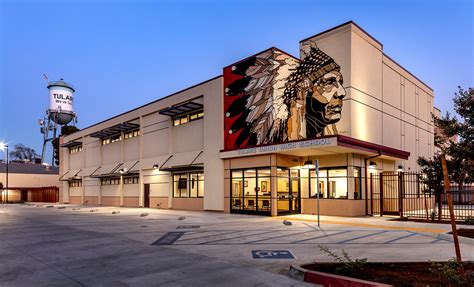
(130,180)
(112,139)
(110,181)
(75,183)
(250,190)
(332,183)
(75,149)
(188,184)
(188,118)
(131,134)
(357,183)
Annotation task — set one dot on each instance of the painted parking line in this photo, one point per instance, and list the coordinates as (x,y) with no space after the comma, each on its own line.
(360,237)
(401,237)
(391,227)
(322,236)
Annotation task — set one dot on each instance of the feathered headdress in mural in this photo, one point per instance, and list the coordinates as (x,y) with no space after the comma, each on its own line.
(260,107)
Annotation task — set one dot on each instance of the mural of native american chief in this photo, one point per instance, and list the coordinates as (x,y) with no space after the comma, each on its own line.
(273,97)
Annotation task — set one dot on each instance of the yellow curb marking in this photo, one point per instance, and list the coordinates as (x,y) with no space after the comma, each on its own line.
(418,229)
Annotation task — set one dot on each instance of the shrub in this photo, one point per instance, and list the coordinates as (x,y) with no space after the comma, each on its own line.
(347,264)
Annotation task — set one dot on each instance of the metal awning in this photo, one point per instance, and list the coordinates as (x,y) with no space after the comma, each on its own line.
(70,175)
(106,171)
(130,167)
(88,171)
(184,161)
(114,130)
(71,144)
(181,108)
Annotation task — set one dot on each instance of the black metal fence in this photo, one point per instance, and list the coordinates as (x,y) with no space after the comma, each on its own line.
(404,194)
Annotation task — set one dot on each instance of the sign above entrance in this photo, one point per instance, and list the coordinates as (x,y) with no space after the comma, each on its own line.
(314,143)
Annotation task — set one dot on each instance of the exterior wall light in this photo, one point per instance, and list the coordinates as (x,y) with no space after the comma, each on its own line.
(122,171)
(155,166)
(400,168)
(372,164)
(308,164)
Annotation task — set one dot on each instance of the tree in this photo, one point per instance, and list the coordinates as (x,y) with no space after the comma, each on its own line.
(461,151)
(455,139)
(21,152)
(65,130)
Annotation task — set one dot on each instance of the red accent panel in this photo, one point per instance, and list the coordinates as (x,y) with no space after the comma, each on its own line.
(229,77)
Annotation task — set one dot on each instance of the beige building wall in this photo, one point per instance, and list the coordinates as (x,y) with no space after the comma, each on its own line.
(158,140)
(384,103)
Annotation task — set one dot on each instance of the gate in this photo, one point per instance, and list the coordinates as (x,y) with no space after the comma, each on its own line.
(401,194)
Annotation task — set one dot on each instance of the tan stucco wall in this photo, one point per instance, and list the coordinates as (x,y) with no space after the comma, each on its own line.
(188,203)
(30,180)
(335,207)
(384,104)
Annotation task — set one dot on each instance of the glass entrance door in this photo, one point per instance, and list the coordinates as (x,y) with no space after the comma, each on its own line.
(288,191)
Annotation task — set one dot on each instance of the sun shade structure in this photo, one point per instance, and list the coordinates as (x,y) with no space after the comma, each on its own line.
(114,130)
(181,109)
(70,175)
(107,171)
(184,162)
(71,144)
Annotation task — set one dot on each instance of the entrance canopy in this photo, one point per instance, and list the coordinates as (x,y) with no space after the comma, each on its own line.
(320,146)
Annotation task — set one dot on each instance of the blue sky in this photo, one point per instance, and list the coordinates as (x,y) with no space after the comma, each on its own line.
(123,54)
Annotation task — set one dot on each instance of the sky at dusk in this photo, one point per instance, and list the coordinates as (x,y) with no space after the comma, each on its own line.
(122,54)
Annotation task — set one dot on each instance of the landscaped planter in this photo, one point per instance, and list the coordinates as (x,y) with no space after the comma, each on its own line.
(329,280)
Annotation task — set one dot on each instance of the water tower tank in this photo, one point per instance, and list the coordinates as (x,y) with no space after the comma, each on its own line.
(61,99)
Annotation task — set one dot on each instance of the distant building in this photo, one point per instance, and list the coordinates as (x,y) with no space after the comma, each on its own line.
(240,142)
(29,182)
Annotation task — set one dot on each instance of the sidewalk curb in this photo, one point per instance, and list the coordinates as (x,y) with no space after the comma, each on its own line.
(462,239)
(330,280)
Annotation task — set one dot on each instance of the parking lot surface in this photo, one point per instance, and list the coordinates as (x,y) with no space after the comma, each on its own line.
(69,245)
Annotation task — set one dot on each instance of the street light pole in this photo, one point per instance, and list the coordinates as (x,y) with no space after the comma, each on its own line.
(6,196)
(4,146)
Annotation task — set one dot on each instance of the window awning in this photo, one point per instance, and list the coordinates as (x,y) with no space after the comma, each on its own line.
(71,144)
(106,171)
(149,163)
(181,108)
(184,161)
(113,130)
(129,167)
(88,171)
(70,175)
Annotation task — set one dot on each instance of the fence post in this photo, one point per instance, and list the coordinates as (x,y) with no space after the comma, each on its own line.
(400,193)
(371,194)
(381,194)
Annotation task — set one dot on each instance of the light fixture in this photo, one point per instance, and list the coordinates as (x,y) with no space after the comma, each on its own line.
(308,164)
(122,170)
(155,166)
(400,168)
(372,164)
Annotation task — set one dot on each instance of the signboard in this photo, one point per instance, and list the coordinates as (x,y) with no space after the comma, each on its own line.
(60,100)
(272,254)
(169,238)
(322,142)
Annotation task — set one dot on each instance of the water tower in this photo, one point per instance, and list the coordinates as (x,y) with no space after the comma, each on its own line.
(59,113)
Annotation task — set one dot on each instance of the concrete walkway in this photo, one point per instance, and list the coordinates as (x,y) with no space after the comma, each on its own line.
(51,246)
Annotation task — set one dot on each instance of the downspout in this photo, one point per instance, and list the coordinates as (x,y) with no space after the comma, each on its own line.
(379,153)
